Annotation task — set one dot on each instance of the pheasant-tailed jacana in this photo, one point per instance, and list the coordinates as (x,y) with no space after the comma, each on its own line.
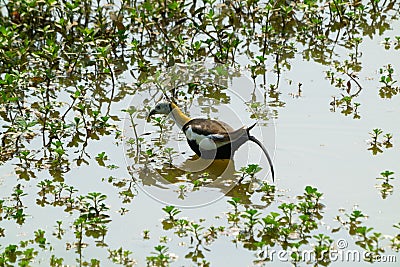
(210,139)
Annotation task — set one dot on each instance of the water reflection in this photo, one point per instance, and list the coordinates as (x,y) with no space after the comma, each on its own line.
(196,175)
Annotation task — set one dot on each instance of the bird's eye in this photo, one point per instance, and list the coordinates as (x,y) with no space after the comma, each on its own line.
(157,107)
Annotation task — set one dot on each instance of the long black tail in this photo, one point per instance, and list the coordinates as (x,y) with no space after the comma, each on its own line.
(255,140)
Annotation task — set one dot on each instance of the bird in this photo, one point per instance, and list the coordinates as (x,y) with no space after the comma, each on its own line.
(208,138)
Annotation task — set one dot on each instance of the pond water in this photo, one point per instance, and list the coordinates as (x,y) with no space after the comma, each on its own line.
(168,209)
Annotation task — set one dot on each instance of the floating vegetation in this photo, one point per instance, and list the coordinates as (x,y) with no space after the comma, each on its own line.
(388,89)
(385,188)
(376,146)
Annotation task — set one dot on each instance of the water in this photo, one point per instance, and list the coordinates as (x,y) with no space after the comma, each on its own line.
(311,146)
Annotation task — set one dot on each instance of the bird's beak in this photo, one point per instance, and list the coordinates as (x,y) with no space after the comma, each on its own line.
(152,112)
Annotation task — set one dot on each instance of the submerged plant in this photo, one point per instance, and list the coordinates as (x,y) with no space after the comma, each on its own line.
(376,144)
(387,142)
(386,176)
(251,215)
(250,171)
(169,152)
(120,256)
(385,188)
(172,212)
(161,257)
(388,89)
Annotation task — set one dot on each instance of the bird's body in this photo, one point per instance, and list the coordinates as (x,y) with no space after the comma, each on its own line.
(210,139)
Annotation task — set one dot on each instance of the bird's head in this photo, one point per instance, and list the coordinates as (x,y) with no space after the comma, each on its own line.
(161,108)
(172,110)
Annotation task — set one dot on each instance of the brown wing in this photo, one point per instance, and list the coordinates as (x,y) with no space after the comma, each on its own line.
(218,131)
(207,127)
